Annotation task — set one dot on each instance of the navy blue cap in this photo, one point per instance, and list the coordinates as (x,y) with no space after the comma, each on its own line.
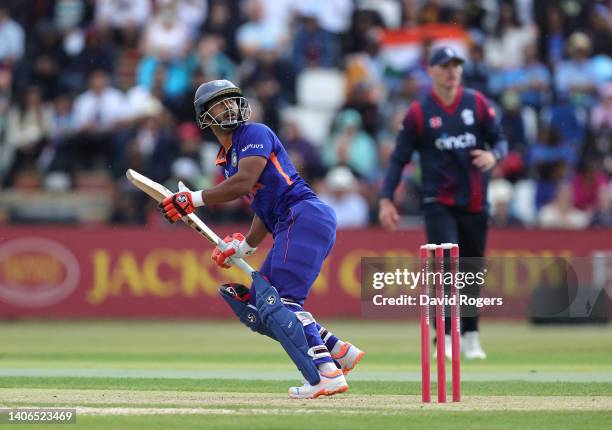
(442,55)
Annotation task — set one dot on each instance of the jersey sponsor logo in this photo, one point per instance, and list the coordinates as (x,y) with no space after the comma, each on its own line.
(435,122)
(252,146)
(449,143)
(226,172)
(468,116)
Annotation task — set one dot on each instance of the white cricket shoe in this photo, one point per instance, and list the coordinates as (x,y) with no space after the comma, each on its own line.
(448,348)
(331,383)
(348,357)
(470,346)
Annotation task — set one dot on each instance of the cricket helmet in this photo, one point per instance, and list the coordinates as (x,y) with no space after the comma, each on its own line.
(213,93)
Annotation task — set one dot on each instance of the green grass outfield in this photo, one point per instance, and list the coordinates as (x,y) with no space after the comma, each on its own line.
(209,375)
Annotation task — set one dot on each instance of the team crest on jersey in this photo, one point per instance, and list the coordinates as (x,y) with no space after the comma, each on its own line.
(468,116)
(435,122)
(234,159)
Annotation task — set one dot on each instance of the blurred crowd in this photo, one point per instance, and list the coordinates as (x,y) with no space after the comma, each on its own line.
(89,88)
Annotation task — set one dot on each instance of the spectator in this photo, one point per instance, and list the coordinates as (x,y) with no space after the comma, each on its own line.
(575,78)
(213,63)
(512,121)
(335,15)
(271,78)
(351,146)
(28,131)
(365,98)
(222,22)
(151,141)
(6,84)
(269,66)
(187,165)
(602,215)
(601,115)
(12,37)
(561,213)
(341,194)
(475,70)
(62,124)
(68,14)
(98,114)
(121,15)
(365,65)
(601,29)
(166,38)
(303,154)
(176,75)
(499,197)
(505,50)
(279,13)
(92,50)
(363,24)
(587,183)
(192,13)
(532,80)
(553,40)
(257,33)
(313,46)
(417,73)
(101,107)
(550,174)
(45,60)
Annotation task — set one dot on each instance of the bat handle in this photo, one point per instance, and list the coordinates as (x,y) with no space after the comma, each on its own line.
(238,262)
(243,265)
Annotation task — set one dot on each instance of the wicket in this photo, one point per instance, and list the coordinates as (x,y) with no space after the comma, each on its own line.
(429,264)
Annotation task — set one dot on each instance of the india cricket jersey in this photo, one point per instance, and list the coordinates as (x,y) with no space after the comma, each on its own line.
(279,186)
(444,136)
(304,228)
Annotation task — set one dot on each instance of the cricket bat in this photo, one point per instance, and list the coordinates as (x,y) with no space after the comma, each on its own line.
(158,192)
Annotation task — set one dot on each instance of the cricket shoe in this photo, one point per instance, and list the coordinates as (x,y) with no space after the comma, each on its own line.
(348,357)
(448,348)
(331,383)
(470,346)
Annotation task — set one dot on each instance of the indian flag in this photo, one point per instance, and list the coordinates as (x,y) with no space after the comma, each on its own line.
(402,48)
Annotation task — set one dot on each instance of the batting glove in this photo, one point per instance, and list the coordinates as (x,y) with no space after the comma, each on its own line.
(180,204)
(237,247)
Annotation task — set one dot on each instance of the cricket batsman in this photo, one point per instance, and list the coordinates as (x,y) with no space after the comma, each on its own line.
(257,168)
(459,141)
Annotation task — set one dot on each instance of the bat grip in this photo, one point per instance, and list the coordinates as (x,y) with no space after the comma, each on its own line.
(238,262)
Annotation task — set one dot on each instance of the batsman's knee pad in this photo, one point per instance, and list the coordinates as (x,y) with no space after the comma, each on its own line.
(237,297)
(287,328)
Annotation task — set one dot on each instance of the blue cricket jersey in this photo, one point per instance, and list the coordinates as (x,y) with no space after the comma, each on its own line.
(280,186)
(444,135)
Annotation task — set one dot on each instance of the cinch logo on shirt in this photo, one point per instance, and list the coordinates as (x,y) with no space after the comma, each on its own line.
(448,143)
(252,146)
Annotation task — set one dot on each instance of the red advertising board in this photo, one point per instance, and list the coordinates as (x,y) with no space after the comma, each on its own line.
(168,273)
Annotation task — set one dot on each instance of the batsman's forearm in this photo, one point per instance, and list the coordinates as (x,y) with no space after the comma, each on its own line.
(257,232)
(228,190)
